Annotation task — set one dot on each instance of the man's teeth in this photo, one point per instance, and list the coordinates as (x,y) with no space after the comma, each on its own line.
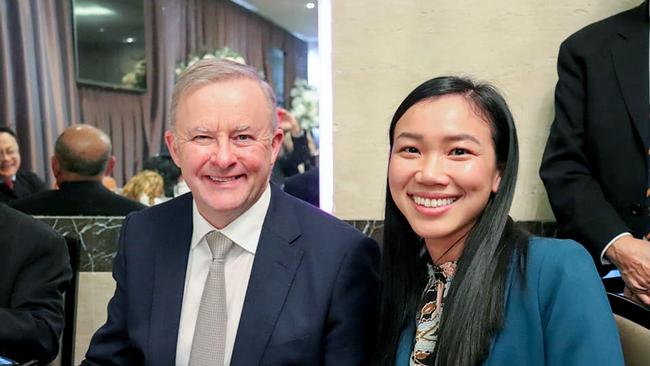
(432,203)
(222,180)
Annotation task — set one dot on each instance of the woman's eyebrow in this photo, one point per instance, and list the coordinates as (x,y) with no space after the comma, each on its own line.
(462,137)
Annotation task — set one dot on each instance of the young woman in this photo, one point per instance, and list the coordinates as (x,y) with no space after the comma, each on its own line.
(463,285)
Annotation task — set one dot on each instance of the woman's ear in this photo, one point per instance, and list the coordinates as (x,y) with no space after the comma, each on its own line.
(496,181)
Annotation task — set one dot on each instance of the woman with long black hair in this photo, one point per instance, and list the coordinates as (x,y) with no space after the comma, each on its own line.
(462,284)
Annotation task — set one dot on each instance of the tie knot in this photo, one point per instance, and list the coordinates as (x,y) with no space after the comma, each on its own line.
(219,244)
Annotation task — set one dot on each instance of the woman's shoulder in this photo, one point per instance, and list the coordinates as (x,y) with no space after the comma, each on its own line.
(540,247)
(558,256)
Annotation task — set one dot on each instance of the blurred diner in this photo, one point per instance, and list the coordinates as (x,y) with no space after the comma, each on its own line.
(14,182)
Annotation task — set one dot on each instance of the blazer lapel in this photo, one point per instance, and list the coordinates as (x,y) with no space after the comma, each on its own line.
(630,57)
(274,268)
(169,281)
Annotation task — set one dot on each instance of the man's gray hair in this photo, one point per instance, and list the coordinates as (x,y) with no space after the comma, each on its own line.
(208,71)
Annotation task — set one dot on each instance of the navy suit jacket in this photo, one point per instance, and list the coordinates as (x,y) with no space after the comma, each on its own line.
(311,297)
(34,273)
(560,316)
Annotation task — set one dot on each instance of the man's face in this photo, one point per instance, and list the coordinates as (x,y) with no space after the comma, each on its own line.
(225,145)
(9,156)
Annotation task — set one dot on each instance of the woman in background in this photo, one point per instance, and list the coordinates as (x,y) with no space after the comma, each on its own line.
(462,284)
(146,187)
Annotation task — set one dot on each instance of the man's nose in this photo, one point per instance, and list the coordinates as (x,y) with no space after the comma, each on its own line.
(224,155)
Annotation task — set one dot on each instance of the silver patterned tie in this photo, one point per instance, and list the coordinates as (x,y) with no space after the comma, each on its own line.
(209,343)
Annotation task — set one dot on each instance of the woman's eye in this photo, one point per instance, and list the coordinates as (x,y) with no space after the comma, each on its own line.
(410,150)
(459,151)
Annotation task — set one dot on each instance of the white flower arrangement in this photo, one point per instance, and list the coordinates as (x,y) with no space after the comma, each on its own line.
(222,53)
(137,78)
(304,104)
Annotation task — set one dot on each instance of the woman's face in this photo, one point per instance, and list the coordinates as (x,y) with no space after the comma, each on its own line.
(442,168)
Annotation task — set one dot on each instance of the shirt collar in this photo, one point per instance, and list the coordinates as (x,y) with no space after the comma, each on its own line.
(244,231)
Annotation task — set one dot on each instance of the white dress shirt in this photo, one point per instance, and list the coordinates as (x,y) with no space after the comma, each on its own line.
(245,233)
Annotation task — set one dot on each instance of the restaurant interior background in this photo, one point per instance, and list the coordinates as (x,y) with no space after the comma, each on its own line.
(370,54)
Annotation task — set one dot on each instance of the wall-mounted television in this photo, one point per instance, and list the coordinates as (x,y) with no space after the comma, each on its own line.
(109,42)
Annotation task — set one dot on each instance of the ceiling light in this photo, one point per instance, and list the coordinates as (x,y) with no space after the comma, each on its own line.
(92,10)
(129,39)
(245,4)
(310,5)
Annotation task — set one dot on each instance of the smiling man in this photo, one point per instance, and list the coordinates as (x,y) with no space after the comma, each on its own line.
(14,183)
(236,272)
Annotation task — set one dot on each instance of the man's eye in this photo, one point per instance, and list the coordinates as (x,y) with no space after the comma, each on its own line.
(243,137)
(202,139)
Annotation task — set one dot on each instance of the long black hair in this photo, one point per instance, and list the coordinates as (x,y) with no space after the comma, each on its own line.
(474,307)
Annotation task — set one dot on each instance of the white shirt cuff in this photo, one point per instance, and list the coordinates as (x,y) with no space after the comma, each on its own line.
(603,259)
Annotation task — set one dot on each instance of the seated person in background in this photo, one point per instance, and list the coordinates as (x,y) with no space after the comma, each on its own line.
(298,149)
(304,186)
(82,156)
(462,284)
(164,165)
(145,187)
(109,183)
(34,273)
(14,183)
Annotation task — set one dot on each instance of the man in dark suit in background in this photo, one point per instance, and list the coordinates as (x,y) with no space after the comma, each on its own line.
(14,183)
(34,273)
(595,166)
(291,284)
(82,157)
(304,186)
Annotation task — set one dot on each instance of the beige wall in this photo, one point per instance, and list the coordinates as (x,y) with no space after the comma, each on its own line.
(382,49)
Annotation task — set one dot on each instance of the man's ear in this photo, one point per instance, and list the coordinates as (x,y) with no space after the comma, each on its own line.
(276,143)
(110,166)
(170,140)
(56,167)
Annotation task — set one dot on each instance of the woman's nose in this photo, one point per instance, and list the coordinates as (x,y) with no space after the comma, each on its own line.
(433,171)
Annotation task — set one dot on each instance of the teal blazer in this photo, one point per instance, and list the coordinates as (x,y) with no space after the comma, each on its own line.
(562,317)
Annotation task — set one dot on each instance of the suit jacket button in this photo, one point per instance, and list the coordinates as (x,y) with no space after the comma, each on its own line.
(637,209)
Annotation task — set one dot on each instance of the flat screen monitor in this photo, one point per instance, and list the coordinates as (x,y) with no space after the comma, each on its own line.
(110,43)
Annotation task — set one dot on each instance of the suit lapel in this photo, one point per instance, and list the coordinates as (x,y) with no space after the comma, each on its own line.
(630,57)
(172,251)
(274,268)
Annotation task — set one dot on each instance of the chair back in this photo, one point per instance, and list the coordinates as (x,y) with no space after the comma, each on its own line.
(70,304)
(633,323)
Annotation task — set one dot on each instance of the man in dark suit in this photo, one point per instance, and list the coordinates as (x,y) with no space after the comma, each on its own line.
(14,183)
(295,285)
(595,166)
(82,157)
(304,186)
(34,273)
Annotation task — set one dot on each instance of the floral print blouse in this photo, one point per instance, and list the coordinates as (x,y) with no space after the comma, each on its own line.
(428,318)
